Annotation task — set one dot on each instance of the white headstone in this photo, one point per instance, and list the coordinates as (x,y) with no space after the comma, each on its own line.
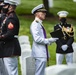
(29,66)
(54,70)
(50,3)
(25,45)
(74,0)
(24,39)
(25,51)
(61,70)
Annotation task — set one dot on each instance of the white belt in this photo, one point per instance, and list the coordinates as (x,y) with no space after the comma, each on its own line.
(16,36)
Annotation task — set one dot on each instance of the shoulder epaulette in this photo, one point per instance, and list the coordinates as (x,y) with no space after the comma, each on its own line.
(57,24)
(37,21)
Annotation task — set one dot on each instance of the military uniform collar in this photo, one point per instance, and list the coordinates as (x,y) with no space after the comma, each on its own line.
(10,12)
(38,20)
(63,23)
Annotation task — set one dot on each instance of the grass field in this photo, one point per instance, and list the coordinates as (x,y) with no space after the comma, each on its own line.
(24,14)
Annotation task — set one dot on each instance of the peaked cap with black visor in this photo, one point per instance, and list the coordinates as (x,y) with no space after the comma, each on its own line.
(39,8)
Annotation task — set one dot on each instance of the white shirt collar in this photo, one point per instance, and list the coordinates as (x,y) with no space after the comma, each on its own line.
(37,19)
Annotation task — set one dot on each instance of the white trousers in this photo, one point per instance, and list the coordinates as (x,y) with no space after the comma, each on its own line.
(68,57)
(40,66)
(11,64)
(3,70)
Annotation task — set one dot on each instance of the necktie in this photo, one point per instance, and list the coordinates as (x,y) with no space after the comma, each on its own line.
(44,32)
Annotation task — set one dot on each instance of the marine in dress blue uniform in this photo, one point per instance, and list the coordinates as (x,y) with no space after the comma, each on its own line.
(9,37)
(64,45)
(2,66)
(40,42)
(1,5)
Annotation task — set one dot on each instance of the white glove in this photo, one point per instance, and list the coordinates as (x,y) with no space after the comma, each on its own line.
(64,47)
(53,39)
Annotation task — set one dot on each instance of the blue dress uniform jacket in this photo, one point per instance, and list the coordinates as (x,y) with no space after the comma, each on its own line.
(10,30)
(68,40)
(0,41)
(2,66)
(38,47)
(2,17)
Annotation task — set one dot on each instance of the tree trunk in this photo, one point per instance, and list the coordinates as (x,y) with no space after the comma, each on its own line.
(46,4)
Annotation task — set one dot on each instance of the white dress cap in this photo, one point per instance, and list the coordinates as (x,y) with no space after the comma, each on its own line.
(39,7)
(6,1)
(13,2)
(62,13)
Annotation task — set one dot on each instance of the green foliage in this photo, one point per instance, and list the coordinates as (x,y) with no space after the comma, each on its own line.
(27,5)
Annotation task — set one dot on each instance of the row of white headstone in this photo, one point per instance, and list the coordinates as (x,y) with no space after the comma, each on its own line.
(28,63)
(74,0)
(25,58)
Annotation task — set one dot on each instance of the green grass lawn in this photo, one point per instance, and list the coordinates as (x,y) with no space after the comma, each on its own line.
(25,20)
(27,5)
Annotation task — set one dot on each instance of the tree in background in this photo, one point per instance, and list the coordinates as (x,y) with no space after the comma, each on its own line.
(46,4)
